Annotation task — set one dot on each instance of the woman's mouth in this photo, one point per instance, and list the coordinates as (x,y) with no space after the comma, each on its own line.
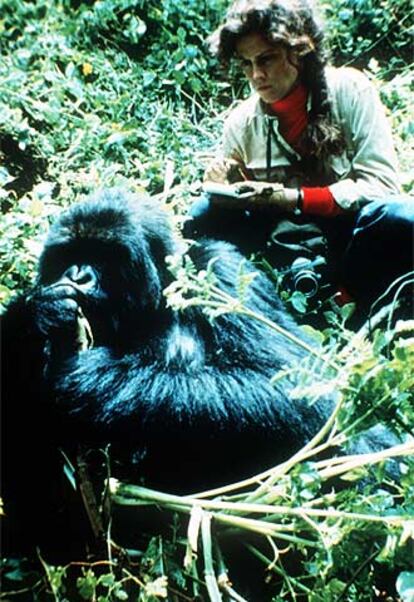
(263,88)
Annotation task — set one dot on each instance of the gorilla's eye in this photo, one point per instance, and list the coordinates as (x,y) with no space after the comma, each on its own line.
(104,259)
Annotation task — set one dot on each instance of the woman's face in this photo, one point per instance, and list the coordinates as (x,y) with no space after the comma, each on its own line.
(272,70)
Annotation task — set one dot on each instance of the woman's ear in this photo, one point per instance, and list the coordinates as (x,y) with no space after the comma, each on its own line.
(294,57)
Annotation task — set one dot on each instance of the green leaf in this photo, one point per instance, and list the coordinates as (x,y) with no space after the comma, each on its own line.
(87,585)
(107,580)
(347,310)
(299,302)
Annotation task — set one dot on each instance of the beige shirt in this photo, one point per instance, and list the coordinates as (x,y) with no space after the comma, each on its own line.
(366,171)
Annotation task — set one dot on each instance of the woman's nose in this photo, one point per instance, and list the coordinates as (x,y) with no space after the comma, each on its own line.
(257,72)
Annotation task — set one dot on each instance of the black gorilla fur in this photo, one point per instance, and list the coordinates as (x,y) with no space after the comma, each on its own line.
(185,403)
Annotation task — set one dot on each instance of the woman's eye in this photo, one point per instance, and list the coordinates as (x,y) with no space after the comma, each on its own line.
(265,60)
(245,64)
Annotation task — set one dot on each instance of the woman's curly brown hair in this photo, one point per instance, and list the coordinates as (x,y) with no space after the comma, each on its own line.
(290,22)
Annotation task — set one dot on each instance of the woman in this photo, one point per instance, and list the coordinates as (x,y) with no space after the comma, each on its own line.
(314,150)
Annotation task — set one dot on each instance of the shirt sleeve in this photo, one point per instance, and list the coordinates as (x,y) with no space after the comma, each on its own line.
(369,140)
(232,144)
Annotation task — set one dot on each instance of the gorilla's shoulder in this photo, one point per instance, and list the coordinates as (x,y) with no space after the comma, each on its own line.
(236,273)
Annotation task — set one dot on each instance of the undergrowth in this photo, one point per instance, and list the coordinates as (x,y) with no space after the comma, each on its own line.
(103,93)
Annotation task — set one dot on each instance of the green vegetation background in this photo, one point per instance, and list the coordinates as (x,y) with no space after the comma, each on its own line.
(124,92)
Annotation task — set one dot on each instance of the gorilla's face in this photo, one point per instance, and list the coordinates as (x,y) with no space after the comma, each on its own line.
(91,277)
(108,256)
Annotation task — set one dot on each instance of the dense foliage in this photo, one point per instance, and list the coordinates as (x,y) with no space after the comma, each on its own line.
(124,92)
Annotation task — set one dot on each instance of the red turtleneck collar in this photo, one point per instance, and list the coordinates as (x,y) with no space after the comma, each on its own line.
(292,113)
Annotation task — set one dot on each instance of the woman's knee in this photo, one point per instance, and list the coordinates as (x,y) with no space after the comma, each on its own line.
(397,212)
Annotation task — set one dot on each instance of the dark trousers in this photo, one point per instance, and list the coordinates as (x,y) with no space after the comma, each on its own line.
(366,250)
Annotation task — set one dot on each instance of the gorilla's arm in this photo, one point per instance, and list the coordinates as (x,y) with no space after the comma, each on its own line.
(40,325)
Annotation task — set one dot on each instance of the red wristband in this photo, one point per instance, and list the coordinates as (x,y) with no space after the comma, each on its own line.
(320,201)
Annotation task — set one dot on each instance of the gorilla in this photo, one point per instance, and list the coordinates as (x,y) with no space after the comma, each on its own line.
(183,402)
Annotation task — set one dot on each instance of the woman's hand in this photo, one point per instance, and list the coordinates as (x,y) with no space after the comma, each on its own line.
(269,194)
(224,171)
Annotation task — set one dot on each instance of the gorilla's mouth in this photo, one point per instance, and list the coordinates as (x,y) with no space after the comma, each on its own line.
(84,333)
(71,289)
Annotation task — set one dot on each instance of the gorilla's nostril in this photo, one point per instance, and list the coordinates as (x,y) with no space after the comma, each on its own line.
(82,275)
